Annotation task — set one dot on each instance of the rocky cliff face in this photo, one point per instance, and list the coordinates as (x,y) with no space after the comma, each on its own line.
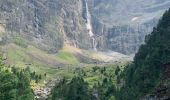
(123,24)
(118,25)
(46,24)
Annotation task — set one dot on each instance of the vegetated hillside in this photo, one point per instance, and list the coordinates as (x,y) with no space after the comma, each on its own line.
(149,73)
(89,83)
(15,83)
(58,65)
(147,78)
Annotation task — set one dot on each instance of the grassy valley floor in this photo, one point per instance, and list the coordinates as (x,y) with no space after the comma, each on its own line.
(67,63)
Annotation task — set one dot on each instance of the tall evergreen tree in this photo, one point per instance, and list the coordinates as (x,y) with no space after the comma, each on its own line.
(143,75)
(14,84)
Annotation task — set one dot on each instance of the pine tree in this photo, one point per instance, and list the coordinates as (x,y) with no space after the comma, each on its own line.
(143,75)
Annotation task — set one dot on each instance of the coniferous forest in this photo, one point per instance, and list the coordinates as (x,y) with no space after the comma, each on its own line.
(84,50)
(138,79)
(15,83)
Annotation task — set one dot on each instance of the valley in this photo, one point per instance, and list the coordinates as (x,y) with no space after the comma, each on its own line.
(65,63)
(84,50)
(41,61)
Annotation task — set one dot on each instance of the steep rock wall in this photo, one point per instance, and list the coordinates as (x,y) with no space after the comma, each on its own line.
(46,24)
(118,25)
(123,24)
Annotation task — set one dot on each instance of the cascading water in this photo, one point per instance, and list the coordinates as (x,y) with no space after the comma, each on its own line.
(89,27)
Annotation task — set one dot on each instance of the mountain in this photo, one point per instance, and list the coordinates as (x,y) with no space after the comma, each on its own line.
(147,78)
(50,36)
(123,24)
(50,24)
(46,24)
(55,48)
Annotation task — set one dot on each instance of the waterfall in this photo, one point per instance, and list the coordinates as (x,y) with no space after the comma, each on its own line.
(89,27)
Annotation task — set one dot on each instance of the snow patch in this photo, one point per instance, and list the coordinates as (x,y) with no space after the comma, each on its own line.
(135,19)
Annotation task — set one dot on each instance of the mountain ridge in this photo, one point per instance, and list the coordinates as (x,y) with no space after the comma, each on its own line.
(49,24)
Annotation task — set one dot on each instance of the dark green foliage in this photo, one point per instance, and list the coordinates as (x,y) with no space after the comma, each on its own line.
(143,75)
(76,89)
(59,90)
(8,86)
(45,74)
(35,77)
(106,90)
(117,70)
(14,84)
(95,68)
(102,70)
(80,72)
